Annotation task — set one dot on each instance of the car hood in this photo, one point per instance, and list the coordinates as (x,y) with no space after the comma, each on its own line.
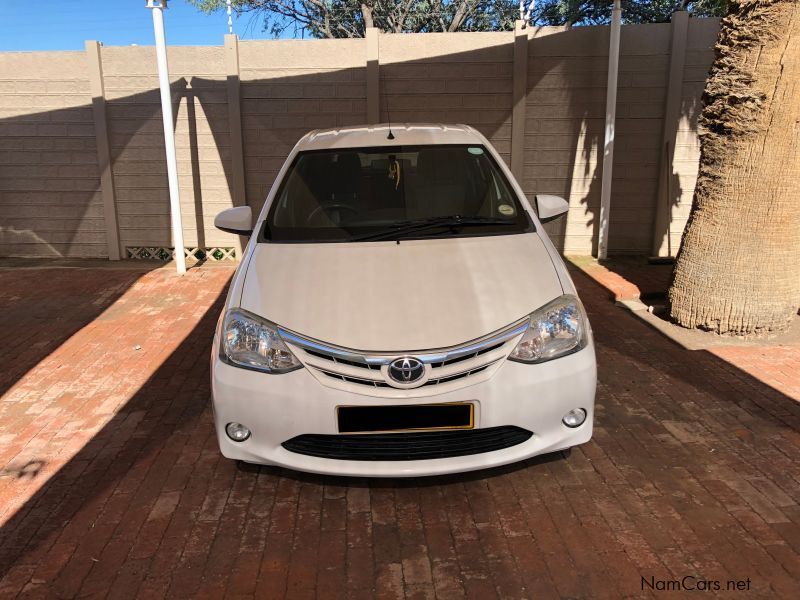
(390,297)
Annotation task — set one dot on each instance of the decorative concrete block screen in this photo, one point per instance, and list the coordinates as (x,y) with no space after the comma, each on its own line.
(83,173)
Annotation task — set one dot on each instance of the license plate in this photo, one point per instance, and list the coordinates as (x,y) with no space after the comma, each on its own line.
(407,417)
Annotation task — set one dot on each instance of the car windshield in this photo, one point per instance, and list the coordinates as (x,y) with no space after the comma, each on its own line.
(357,194)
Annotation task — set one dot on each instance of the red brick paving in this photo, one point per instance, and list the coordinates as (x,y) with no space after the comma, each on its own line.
(777,366)
(627,278)
(112,484)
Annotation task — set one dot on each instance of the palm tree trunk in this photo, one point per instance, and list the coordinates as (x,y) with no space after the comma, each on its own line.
(738,270)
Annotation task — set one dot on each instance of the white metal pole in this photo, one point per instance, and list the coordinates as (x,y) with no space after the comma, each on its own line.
(611,117)
(169,134)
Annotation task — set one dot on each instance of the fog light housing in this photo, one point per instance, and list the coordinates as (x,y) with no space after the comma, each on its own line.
(574,418)
(237,432)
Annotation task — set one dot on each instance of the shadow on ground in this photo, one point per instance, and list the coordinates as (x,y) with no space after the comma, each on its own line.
(693,470)
(43,307)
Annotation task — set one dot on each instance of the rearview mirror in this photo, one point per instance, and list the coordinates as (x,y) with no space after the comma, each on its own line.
(237,220)
(550,207)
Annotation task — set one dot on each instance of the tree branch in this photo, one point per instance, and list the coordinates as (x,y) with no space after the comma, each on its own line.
(402,20)
(366,12)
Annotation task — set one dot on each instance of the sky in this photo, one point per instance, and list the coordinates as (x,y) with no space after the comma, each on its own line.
(66,24)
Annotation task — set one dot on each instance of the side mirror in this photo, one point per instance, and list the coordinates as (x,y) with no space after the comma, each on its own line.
(237,220)
(550,207)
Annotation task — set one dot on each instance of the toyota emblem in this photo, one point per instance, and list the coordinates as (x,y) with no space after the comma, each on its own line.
(406,369)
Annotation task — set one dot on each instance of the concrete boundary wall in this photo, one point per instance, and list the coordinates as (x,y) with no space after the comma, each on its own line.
(83,173)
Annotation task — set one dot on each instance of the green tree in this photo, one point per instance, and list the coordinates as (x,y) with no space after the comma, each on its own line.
(350,18)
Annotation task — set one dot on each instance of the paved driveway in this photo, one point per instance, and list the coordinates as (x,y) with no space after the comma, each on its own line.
(111,482)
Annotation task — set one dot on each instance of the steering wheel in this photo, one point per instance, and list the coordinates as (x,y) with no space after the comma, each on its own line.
(328,208)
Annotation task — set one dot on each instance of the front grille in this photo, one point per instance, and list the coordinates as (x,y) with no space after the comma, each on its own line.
(408,446)
(451,361)
(341,361)
(458,375)
(357,380)
(342,367)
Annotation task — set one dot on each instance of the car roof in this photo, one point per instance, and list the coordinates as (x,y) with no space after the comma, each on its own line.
(405,134)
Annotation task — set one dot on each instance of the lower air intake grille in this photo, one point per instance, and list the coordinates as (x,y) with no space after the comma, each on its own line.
(419,445)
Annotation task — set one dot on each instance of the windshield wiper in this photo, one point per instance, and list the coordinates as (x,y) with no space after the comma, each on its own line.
(405,227)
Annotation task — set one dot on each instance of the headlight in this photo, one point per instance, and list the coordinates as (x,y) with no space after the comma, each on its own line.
(251,342)
(556,329)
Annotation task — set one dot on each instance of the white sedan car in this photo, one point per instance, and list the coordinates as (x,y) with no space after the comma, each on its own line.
(399,311)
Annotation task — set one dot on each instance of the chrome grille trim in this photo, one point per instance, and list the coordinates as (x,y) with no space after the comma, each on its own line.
(338,366)
(454,376)
(350,379)
(375,360)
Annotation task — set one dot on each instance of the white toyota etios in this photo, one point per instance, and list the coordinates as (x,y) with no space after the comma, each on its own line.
(399,311)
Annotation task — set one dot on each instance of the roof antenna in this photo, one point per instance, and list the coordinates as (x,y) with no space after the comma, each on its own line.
(389,117)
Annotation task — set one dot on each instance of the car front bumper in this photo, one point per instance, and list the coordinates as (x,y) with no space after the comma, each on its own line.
(277,408)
